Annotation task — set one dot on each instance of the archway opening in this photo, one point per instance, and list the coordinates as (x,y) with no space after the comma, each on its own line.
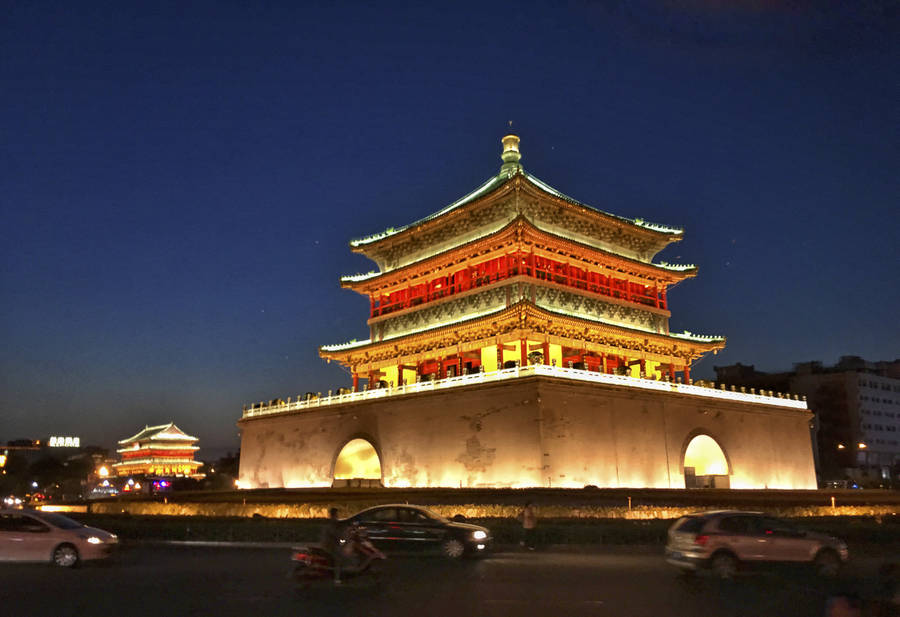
(357,465)
(705,465)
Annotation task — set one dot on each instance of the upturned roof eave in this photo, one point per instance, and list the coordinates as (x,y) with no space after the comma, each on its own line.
(678,272)
(149,432)
(359,245)
(364,244)
(710,343)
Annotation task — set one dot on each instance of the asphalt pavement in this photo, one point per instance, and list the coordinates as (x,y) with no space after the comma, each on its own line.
(180,580)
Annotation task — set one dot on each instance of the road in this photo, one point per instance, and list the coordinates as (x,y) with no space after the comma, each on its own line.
(181,582)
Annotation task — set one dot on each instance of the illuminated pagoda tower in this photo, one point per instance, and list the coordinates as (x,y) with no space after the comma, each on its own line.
(516,273)
(520,338)
(163,450)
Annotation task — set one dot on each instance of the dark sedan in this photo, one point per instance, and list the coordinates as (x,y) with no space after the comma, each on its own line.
(414,528)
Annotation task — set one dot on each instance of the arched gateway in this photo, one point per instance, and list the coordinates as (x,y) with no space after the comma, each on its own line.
(705,465)
(357,464)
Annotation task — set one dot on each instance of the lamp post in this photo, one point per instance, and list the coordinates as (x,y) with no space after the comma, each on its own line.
(853,450)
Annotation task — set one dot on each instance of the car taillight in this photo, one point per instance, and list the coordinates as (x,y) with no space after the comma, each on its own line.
(701,540)
(300,557)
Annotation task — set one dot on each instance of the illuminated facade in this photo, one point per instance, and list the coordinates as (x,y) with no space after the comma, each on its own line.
(515,286)
(163,450)
(517,273)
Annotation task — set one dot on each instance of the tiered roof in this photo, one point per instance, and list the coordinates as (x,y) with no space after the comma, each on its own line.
(163,432)
(515,210)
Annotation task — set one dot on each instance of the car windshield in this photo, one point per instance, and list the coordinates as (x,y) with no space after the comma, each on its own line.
(58,520)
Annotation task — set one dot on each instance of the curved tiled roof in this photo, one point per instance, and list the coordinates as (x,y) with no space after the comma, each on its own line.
(496,182)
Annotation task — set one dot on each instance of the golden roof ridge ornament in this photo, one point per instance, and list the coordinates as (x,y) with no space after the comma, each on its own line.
(510,155)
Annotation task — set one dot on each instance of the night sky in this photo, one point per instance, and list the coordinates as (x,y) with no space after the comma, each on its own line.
(179,181)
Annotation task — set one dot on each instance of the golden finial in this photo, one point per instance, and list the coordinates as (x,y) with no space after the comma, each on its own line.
(510,155)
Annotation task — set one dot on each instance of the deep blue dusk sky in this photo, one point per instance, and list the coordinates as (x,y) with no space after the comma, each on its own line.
(179,181)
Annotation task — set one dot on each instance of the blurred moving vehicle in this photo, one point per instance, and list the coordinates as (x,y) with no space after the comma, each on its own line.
(726,541)
(315,563)
(412,528)
(31,535)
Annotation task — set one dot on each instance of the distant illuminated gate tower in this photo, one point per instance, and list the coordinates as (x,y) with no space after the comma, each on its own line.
(521,338)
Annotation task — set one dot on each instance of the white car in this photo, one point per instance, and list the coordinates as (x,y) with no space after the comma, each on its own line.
(30,535)
(726,541)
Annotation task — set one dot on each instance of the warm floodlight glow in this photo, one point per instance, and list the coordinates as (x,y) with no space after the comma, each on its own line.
(841,446)
(358,459)
(706,457)
(103,471)
(862,446)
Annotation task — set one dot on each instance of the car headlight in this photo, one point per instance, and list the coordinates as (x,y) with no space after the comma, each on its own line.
(94,540)
(479,535)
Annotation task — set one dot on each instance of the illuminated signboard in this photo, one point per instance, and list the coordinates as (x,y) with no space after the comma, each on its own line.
(65,442)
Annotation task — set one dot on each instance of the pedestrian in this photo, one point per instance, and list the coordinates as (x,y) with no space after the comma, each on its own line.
(528,517)
(332,542)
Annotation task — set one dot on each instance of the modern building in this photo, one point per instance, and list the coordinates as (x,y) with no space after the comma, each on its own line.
(519,337)
(857,409)
(160,451)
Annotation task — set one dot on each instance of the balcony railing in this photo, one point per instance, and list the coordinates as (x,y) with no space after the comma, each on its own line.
(525,265)
(776,399)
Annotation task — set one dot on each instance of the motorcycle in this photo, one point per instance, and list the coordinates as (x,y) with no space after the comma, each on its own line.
(313,563)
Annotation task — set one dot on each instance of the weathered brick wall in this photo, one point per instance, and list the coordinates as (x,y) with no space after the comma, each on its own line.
(527,432)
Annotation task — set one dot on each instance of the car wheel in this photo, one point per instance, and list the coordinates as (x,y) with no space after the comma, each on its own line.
(723,566)
(453,548)
(827,564)
(65,556)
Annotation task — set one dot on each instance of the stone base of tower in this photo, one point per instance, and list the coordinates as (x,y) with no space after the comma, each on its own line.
(535,431)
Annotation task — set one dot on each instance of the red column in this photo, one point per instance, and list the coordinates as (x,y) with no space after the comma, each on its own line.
(399,374)
(546,352)
(523,348)
(665,303)
(687,374)
(356,382)
(672,371)
(643,366)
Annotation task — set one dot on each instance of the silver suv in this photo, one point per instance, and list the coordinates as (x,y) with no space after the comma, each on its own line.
(724,541)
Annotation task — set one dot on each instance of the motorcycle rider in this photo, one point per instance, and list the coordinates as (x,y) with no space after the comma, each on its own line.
(332,541)
(359,550)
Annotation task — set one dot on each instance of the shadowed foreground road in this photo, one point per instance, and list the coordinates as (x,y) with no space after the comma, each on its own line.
(177,581)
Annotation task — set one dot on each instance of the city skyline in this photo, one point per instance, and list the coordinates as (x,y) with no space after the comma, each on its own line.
(181,186)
